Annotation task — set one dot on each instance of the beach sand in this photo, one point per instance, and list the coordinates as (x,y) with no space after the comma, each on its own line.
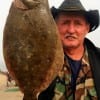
(11,95)
(9,92)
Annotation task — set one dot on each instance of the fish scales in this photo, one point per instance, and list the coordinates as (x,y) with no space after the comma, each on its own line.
(31,46)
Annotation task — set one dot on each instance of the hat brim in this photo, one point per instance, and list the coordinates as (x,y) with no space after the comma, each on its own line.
(92,16)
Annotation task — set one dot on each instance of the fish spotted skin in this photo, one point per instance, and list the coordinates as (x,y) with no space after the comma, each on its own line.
(32,48)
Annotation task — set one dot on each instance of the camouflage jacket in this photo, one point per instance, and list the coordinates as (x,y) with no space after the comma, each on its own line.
(84,90)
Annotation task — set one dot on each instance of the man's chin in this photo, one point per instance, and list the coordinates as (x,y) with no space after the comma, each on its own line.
(70,46)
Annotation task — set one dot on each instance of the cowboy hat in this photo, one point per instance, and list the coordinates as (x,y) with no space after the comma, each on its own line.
(92,16)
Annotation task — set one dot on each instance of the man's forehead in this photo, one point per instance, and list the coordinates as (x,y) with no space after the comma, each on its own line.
(75,16)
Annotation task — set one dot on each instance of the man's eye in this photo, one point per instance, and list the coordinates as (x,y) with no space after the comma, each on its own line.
(78,23)
(65,22)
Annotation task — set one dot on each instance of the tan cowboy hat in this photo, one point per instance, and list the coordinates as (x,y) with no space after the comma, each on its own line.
(92,16)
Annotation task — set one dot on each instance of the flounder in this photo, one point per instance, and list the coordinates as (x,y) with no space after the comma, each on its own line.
(31,46)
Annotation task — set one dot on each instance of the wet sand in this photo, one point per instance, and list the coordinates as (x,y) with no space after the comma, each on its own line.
(9,92)
(11,95)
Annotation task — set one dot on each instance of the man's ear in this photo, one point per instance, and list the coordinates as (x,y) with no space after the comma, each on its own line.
(88,28)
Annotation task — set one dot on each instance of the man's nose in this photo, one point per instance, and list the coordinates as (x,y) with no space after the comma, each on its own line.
(71,28)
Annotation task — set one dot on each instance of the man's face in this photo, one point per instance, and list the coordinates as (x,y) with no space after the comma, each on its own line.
(72,28)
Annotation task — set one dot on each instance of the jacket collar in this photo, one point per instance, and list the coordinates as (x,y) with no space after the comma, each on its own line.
(94,59)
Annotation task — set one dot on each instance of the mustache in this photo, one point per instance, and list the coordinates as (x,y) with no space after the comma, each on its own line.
(67,35)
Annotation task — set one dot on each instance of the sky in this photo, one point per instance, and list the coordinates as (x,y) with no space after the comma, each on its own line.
(4,10)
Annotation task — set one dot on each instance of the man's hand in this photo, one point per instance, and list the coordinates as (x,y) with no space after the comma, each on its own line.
(26,4)
(31,3)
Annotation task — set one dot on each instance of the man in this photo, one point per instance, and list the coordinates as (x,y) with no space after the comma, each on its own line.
(79,78)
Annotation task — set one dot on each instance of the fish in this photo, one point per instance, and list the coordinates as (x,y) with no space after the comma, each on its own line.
(32,48)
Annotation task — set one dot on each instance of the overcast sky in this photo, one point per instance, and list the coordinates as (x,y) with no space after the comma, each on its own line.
(4,10)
